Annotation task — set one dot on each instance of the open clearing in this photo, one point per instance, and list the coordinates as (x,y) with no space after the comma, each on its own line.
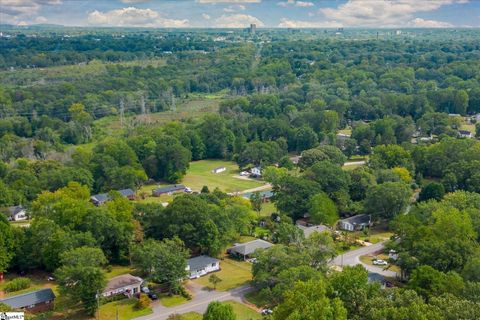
(233,274)
(200,174)
(126,310)
(243,312)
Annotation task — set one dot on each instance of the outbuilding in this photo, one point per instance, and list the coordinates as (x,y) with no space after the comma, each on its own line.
(36,301)
(245,250)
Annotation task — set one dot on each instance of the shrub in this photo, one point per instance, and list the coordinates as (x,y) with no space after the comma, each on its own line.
(143,302)
(17,284)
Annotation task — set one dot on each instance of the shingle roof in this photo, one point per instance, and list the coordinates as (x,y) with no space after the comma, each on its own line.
(250,247)
(122,281)
(464,132)
(127,192)
(358,219)
(200,262)
(168,189)
(102,197)
(28,299)
(307,231)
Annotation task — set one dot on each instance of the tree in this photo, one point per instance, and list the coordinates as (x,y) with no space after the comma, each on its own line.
(323,210)
(329,176)
(163,261)
(84,256)
(309,300)
(6,244)
(428,282)
(256,200)
(387,199)
(433,190)
(219,311)
(360,181)
(214,280)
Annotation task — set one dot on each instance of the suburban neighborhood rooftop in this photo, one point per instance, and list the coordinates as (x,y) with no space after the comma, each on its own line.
(250,247)
(200,262)
(28,299)
(122,281)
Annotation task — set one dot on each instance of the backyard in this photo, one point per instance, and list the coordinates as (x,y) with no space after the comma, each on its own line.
(233,274)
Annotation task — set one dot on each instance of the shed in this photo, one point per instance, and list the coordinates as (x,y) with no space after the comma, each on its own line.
(245,250)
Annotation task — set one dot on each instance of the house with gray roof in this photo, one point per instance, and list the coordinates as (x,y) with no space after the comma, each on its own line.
(358,222)
(309,230)
(36,301)
(245,250)
(124,284)
(168,190)
(202,265)
(99,199)
(16,213)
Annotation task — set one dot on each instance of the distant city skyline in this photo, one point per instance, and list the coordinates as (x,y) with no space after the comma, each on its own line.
(242,13)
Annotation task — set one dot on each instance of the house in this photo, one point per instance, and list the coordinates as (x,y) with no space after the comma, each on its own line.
(295,159)
(308,230)
(101,198)
(245,250)
(127,193)
(16,213)
(201,265)
(265,195)
(256,172)
(465,134)
(219,170)
(358,222)
(36,301)
(168,190)
(124,284)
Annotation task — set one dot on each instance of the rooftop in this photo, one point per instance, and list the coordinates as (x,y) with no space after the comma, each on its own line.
(250,247)
(171,188)
(122,281)
(28,299)
(200,262)
(358,219)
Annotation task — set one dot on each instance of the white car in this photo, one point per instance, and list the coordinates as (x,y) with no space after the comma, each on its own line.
(266,312)
(244,174)
(188,190)
(380,262)
(145,290)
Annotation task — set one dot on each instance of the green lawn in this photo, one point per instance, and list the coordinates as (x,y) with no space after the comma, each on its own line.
(172,301)
(38,281)
(199,174)
(126,310)
(368,259)
(243,312)
(267,209)
(118,270)
(233,274)
(191,316)
(144,194)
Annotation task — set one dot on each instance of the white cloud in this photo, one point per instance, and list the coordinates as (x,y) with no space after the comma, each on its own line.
(229,10)
(228,1)
(422,23)
(234,8)
(41,19)
(135,1)
(206,16)
(237,21)
(303,4)
(22,12)
(287,23)
(134,17)
(382,13)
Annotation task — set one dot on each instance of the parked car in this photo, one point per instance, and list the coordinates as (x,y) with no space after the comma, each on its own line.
(380,262)
(152,296)
(145,290)
(50,278)
(266,312)
(244,174)
(188,190)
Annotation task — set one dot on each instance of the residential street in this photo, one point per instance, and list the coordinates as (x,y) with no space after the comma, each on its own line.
(199,303)
(352,258)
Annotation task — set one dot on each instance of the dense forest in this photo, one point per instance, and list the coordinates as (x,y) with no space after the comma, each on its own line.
(408,106)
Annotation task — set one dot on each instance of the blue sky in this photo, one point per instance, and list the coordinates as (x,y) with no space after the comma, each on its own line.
(240,13)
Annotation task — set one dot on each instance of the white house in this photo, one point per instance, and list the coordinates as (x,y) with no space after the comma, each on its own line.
(125,284)
(201,265)
(16,213)
(358,222)
(465,134)
(219,170)
(256,171)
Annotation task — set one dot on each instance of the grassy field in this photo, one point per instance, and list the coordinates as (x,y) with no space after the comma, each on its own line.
(199,174)
(243,312)
(233,274)
(267,209)
(38,280)
(172,301)
(126,310)
(191,316)
(144,195)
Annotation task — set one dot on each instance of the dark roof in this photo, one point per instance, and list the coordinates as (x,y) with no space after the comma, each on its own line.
(263,194)
(168,189)
(122,281)
(250,247)
(15,209)
(28,299)
(465,132)
(102,197)
(200,262)
(358,219)
(127,192)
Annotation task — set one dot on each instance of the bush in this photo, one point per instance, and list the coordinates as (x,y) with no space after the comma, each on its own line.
(17,284)
(143,302)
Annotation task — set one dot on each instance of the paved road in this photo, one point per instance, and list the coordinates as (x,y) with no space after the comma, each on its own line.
(199,303)
(354,163)
(352,258)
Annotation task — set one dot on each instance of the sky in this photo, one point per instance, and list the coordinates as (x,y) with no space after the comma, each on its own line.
(241,13)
